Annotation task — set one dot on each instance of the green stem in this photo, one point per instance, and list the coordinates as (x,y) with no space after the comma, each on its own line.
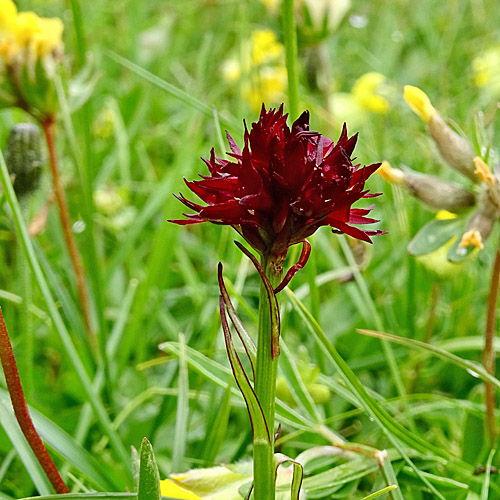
(265,390)
(290,37)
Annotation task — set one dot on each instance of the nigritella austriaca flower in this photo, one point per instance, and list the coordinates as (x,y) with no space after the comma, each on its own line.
(283,186)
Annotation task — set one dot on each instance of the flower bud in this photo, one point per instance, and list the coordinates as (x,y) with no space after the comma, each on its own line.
(24,158)
(434,192)
(439,194)
(454,149)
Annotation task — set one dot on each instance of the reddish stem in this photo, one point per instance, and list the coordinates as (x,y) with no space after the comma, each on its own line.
(76,260)
(489,349)
(21,410)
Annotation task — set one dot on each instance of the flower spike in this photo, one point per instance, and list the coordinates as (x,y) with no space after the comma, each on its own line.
(282,185)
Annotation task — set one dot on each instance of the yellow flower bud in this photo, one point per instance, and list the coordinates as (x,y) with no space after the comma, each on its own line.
(419,102)
(472,238)
(392,175)
(484,172)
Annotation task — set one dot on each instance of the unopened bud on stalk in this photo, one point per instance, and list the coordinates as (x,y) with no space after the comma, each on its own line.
(456,151)
(434,192)
(24,158)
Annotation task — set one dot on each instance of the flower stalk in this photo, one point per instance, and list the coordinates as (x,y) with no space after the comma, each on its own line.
(265,387)
(21,410)
(48,128)
(489,348)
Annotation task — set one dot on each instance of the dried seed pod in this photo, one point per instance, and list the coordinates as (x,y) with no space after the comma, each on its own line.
(24,158)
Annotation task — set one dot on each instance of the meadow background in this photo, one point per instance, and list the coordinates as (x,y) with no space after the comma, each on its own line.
(137,134)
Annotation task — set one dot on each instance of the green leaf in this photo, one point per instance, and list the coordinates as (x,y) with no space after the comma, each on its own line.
(298,474)
(60,327)
(381,492)
(180,94)
(434,235)
(92,496)
(259,425)
(218,374)
(9,424)
(474,369)
(394,431)
(486,484)
(149,477)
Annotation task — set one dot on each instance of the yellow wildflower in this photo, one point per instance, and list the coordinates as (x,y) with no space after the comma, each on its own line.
(366,91)
(472,238)
(486,69)
(8,14)
(484,172)
(265,47)
(48,37)
(419,102)
(268,86)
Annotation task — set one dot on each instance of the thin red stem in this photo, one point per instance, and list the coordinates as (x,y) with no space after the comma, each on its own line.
(21,410)
(489,349)
(76,260)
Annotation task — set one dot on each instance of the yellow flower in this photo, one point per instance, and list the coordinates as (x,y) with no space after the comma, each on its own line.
(170,489)
(366,91)
(486,69)
(8,14)
(265,47)
(419,102)
(267,86)
(41,35)
(48,37)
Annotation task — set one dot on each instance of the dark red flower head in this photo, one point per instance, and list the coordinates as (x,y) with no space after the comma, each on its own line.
(283,185)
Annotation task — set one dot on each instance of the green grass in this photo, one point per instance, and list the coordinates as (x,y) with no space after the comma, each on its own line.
(157,69)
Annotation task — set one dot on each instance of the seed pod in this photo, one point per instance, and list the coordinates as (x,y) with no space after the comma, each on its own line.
(454,149)
(24,158)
